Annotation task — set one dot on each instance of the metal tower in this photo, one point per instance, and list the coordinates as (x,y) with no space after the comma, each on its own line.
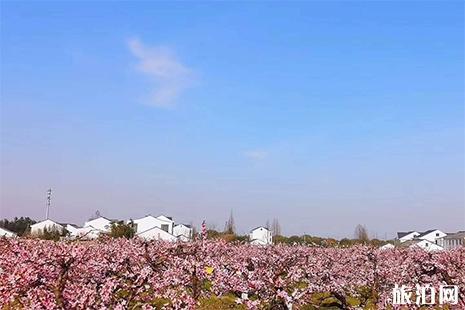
(49,199)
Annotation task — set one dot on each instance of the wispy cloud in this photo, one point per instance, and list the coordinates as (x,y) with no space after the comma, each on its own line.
(169,76)
(256,154)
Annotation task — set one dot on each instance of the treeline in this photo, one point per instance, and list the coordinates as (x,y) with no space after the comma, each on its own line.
(307,240)
(19,226)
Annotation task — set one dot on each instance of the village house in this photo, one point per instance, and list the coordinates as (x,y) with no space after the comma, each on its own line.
(149,221)
(156,233)
(100,223)
(433,235)
(261,236)
(5,233)
(183,232)
(423,244)
(430,240)
(161,227)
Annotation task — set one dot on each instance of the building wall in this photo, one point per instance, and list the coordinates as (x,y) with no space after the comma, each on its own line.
(39,228)
(261,234)
(157,234)
(100,223)
(434,236)
(6,233)
(148,222)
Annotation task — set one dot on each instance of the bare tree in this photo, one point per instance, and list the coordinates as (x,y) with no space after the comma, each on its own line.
(361,233)
(229,226)
(275,227)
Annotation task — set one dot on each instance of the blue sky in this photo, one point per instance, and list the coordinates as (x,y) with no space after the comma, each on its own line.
(323,115)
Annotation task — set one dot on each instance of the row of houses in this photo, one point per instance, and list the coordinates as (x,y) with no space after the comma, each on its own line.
(432,240)
(148,227)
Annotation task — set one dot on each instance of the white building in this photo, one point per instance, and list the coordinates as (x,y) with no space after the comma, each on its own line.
(260,236)
(101,223)
(183,232)
(83,233)
(387,246)
(6,233)
(157,228)
(49,225)
(156,233)
(163,222)
(167,223)
(147,222)
(426,245)
(433,235)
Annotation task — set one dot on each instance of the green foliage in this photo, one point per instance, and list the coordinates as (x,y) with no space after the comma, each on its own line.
(228,237)
(51,234)
(122,230)
(20,226)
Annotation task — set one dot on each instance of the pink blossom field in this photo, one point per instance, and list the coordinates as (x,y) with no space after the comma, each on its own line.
(132,274)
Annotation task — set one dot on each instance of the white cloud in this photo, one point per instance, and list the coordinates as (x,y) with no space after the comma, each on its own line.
(169,76)
(256,154)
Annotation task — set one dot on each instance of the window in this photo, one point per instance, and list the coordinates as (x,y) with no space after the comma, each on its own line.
(437,234)
(165,227)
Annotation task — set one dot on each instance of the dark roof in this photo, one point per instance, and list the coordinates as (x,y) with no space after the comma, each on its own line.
(401,234)
(425,233)
(187,225)
(258,228)
(65,224)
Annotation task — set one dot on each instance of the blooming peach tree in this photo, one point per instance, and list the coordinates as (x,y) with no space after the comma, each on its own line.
(122,274)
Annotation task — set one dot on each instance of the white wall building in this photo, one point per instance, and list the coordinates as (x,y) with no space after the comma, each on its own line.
(427,245)
(49,225)
(150,221)
(183,232)
(156,233)
(387,246)
(83,233)
(167,223)
(433,235)
(101,223)
(260,236)
(6,233)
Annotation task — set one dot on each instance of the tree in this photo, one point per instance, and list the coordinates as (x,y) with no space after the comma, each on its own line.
(51,234)
(229,227)
(122,230)
(361,233)
(20,226)
(275,228)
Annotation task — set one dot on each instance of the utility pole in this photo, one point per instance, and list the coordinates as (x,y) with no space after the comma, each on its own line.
(49,198)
